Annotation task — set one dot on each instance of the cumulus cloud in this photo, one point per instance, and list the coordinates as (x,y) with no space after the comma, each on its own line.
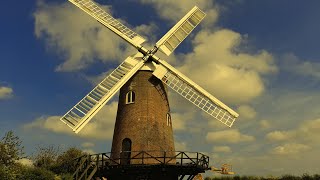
(305,68)
(280,135)
(174,10)
(228,136)
(100,127)
(290,148)
(307,132)
(235,76)
(178,123)
(88,147)
(264,124)
(85,41)
(247,112)
(180,146)
(222,149)
(180,120)
(87,144)
(89,151)
(5,92)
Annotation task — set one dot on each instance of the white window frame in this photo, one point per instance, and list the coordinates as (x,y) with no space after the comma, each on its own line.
(169,122)
(130,97)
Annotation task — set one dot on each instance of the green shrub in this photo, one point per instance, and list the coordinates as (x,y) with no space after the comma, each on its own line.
(35,173)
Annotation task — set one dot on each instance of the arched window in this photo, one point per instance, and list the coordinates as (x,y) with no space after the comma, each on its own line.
(169,123)
(130,97)
(125,155)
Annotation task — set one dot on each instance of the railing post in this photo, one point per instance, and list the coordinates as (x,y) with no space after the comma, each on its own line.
(102,161)
(181,158)
(208,162)
(142,157)
(97,160)
(197,158)
(164,157)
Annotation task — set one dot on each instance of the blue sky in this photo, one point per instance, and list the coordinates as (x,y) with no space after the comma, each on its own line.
(262,56)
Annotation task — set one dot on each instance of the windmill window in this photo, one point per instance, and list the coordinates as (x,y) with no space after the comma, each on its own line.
(169,123)
(125,154)
(130,97)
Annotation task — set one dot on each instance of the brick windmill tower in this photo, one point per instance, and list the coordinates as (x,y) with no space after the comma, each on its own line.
(143,118)
(143,146)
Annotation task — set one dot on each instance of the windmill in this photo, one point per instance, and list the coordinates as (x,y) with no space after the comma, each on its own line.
(143,124)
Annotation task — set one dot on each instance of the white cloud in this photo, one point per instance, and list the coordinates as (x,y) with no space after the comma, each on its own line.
(180,120)
(174,10)
(84,41)
(264,124)
(290,148)
(247,112)
(180,146)
(89,151)
(87,144)
(100,127)
(94,80)
(235,76)
(292,63)
(280,135)
(222,149)
(5,92)
(228,136)
(307,132)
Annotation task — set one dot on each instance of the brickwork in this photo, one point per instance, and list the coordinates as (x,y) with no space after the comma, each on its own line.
(144,122)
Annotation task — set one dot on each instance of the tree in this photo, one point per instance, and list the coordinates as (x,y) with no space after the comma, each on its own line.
(45,157)
(52,159)
(66,161)
(11,149)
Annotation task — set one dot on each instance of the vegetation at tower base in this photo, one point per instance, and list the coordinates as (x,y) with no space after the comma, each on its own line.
(49,163)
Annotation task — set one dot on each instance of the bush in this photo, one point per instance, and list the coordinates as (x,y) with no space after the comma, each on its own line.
(65,162)
(34,173)
(11,149)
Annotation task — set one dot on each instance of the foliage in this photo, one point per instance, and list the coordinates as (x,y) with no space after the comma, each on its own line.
(51,158)
(65,162)
(65,177)
(45,157)
(11,149)
(19,171)
(35,173)
(48,162)
(7,172)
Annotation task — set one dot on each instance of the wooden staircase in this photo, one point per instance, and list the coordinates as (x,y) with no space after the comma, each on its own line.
(86,169)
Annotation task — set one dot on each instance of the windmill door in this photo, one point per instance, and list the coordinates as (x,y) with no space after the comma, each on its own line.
(126,151)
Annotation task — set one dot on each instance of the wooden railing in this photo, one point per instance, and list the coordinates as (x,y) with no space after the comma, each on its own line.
(104,160)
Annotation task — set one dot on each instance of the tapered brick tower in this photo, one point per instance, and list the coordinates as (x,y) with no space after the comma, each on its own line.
(143,120)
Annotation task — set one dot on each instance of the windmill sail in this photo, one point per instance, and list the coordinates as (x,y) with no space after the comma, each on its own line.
(170,41)
(107,20)
(194,93)
(78,116)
